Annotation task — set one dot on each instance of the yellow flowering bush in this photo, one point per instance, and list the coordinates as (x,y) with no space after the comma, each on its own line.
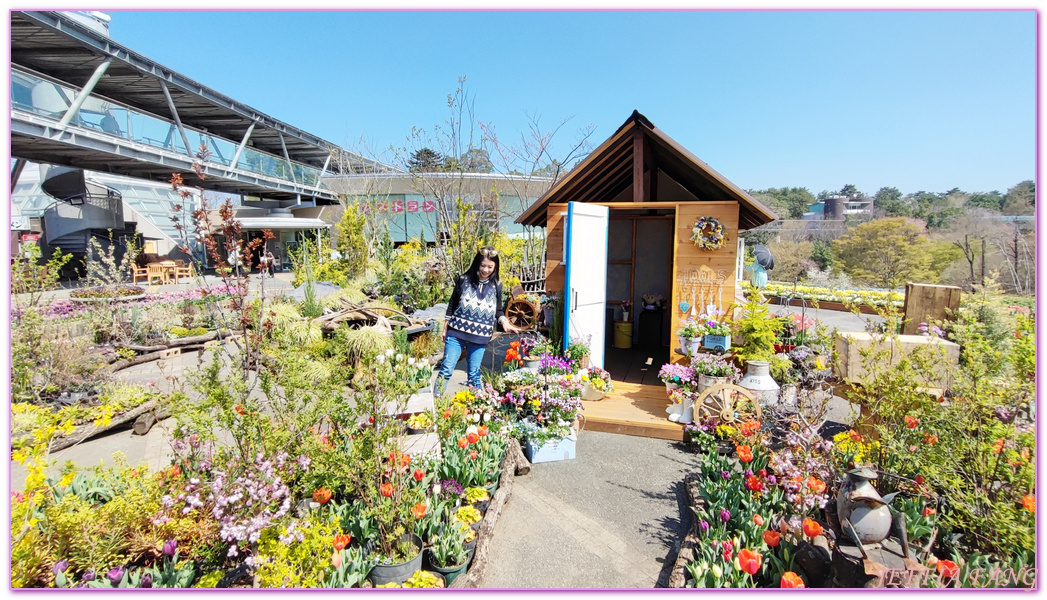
(849,447)
(815,293)
(298,558)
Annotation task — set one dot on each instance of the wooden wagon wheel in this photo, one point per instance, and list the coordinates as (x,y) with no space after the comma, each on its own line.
(729,403)
(522,313)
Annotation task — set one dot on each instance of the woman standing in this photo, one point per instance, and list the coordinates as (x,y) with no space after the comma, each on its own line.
(474,309)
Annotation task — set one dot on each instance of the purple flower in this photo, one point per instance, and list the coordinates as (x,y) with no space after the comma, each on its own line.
(704,525)
(771,479)
(147,581)
(725,515)
(725,474)
(115,575)
(748,472)
(89,575)
(170,546)
(60,566)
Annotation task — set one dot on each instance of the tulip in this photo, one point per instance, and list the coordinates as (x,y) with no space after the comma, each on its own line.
(717,571)
(386,490)
(170,546)
(418,510)
(1029,503)
(792,580)
(472,454)
(919,480)
(336,559)
(89,575)
(758,520)
(447,414)
(725,474)
(472,438)
(754,483)
(419,474)
(762,473)
(725,515)
(146,581)
(60,566)
(462,442)
(771,479)
(929,439)
(772,538)
(811,528)
(341,541)
(115,575)
(481,431)
(911,422)
(927,511)
(750,561)
(947,568)
(704,525)
(816,485)
(322,495)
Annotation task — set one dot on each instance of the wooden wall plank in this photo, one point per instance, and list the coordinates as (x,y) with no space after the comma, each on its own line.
(925,302)
(554,236)
(691,262)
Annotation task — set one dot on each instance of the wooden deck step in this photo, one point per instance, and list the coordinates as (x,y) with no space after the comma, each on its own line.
(633,409)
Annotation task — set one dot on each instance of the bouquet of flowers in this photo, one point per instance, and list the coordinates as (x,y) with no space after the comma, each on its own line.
(711,365)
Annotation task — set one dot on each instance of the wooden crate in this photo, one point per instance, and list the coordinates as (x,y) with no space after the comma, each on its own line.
(925,303)
(850,368)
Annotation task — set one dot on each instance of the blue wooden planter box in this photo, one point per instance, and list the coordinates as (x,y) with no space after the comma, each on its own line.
(552,450)
(720,343)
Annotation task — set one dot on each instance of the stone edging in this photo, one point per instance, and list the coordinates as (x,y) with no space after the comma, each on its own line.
(690,541)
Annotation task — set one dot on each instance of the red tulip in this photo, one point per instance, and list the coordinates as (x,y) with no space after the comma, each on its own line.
(419,474)
(341,541)
(928,511)
(447,414)
(386,490)
(481,431)
(919,480)
(758,520)
(472,438)
(322,495)
(750,561)
(947,568)
(462,442)
(772,538)
(811,528)
(418,510)
(911,422)
(792,580)
(472,454)
(754,483)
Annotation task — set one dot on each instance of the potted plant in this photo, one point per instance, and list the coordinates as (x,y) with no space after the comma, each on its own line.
(717,335)
(787,375)
(469,514)
(578,352)
(448,556)
(626,306)
(713,370)
(532,349)
(424,580)
(478,497)
(675,375)
(419,423)
(691,337)
(758,330)
(597,384)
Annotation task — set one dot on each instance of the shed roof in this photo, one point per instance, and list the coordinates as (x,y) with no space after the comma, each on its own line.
(608,171)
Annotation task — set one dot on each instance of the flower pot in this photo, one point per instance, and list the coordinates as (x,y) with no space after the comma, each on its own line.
(492,487)
(592,394)
(450,573)
(707,381)
(399,573)
(532,363)
(692,346)
(670,386)
(719,343)
(583,362)
(758,380)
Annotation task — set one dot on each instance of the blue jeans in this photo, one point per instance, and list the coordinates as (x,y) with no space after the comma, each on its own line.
(453,347)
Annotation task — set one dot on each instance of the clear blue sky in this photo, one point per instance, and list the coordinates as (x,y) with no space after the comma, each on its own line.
(925,100)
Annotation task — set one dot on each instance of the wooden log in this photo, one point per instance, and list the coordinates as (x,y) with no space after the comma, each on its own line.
(90,430)
(523,466)
(144,423)
(473,578)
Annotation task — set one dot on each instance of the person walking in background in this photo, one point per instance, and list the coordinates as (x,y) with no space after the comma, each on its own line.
(234,261)
(472,314)
(266,263)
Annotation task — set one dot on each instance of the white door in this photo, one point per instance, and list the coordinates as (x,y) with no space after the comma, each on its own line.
(585,278)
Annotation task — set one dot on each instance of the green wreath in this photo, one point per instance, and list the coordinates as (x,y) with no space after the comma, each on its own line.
(707,233)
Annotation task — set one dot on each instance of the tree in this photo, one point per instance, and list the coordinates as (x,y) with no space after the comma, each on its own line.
(969,234)
(476,160)
(425,160)
(851,191)
(1020,199)
(886,252)
(352,239)
(988,200)
(789,203)
(822,255)
(888,203)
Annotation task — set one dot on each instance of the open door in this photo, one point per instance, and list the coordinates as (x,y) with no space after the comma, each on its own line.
(585,277)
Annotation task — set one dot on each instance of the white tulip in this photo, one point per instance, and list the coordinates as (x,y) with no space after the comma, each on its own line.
(717,571)
(399,356)
(389,352)
(380,359)
(470,429)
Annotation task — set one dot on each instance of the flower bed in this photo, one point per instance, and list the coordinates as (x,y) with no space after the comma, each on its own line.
(800,293)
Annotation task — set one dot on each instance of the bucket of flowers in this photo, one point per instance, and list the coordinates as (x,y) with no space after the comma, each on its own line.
(691,337)
(676,375)
(597,384)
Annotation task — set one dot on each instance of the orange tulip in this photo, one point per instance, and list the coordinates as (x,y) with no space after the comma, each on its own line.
(341,541)
(811,528)
(854,435)
(750,561)
(481,431)
(418,510)
(472,438)
(514,345)
(462,442)
(336,559)
(447,414)
(816,485)
(792,580)
(947,568)
(927,511)
(1029,503)
(758,520)
(386,490)
(419,474)
(753,483)
(998,446)
(772,538)
(911,422)
(322,495)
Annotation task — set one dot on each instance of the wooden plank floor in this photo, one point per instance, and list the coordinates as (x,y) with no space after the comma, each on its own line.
(637,404)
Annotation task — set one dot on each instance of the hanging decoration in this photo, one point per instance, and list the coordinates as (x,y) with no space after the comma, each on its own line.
(708,234)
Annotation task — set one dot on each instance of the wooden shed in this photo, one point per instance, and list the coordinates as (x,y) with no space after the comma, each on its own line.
(620,225)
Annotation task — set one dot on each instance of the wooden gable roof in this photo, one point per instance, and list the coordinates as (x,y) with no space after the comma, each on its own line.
(635,149)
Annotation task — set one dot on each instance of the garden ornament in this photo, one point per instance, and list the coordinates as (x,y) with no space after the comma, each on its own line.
(865,516)
(684,306)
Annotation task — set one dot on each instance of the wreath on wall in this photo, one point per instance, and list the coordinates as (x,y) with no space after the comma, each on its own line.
(707,233)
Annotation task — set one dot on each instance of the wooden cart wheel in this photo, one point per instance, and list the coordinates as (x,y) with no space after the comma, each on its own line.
(522,313)
(729,403)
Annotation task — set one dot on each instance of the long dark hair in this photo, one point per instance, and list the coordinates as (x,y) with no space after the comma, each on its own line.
(474,269)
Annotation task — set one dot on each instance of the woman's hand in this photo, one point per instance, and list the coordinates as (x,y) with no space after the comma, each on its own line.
(508,326)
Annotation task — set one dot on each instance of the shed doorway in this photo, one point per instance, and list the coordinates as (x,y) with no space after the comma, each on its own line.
(639,262)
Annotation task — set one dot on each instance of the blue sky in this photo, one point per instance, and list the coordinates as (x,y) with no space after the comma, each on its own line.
(920,100)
